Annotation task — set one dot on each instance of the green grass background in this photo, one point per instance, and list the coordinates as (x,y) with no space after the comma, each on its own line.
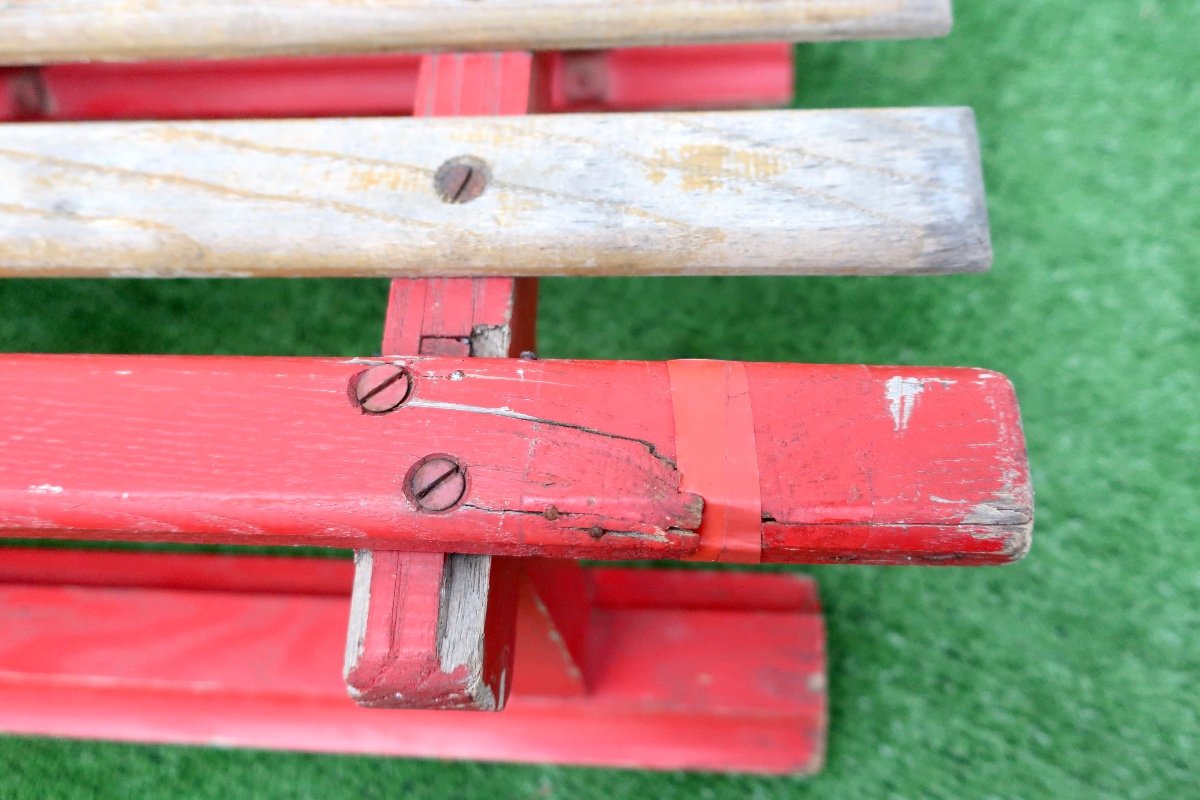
(1072,674)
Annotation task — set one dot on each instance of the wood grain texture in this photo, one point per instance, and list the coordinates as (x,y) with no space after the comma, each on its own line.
(35,31)
(762,192)
(437,630)
(567,459)
(425,630)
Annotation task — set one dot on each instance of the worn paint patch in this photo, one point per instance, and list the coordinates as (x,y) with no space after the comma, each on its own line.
(490,341)
(901,394)
(45,488)
(360,604)
(997,513)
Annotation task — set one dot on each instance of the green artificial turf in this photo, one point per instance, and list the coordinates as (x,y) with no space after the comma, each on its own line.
(1072,674)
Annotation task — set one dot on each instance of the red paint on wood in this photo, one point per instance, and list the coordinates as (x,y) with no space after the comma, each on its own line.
(687,77)
(565,458)
(397,664)
(740,686)
(724,76)
(717,453)
(202,572)
(555,611)
(700,589)
(891,465)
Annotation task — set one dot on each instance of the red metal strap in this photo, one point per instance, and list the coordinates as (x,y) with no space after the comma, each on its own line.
(718,456)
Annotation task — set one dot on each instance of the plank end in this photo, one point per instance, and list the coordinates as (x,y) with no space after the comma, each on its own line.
(942,18)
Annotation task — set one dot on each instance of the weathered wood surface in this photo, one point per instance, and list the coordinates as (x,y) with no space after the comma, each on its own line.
(431,630)
(563,458)
(762,192)
(437,630)
(35,31)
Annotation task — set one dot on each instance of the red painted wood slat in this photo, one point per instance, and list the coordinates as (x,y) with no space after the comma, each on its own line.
(564,458)
(627,79)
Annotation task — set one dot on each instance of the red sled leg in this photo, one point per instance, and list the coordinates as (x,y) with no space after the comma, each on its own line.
(681,669)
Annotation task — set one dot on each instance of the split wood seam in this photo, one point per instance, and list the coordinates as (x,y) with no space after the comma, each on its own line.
(44,31)
(437,630)
(567,459)
(896,191)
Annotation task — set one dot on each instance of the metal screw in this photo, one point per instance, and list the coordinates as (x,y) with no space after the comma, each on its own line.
(585,76)
(30,97)
(461,179)
(436,483)
(381,389)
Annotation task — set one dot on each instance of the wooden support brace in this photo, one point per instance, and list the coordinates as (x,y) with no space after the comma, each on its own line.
(35,31)
(436,630)
(155,647)
(759,192)
(626,79)
(570,459)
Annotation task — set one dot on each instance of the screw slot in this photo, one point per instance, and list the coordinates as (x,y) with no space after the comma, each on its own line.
(461,179)
(381,389)
(437,483)
(30,97)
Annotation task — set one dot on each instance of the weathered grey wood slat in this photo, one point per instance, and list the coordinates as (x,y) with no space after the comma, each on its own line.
(34,31)
(759,192)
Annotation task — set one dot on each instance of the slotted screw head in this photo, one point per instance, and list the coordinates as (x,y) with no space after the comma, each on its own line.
(461,179)
(27,88)
(382,388)
(436,483)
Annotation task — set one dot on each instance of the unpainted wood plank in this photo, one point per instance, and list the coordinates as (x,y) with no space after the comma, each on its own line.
(35,31)
(762,192)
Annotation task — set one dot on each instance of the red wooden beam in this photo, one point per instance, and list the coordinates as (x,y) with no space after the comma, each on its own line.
(701,76)
(151,647)
(560,458)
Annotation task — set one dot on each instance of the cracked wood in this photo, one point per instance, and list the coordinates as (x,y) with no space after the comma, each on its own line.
(761,192)
(404,650)
(35,31)
(565,458)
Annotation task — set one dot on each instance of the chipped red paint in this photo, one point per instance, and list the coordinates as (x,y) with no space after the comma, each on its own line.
(567,458)
(394,659)
(854,464)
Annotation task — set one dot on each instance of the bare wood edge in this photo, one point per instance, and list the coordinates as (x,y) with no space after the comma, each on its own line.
(360,606)
(466,582)
(462,620)
(980,221)
(981,256)
(463,599)
(49,31)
